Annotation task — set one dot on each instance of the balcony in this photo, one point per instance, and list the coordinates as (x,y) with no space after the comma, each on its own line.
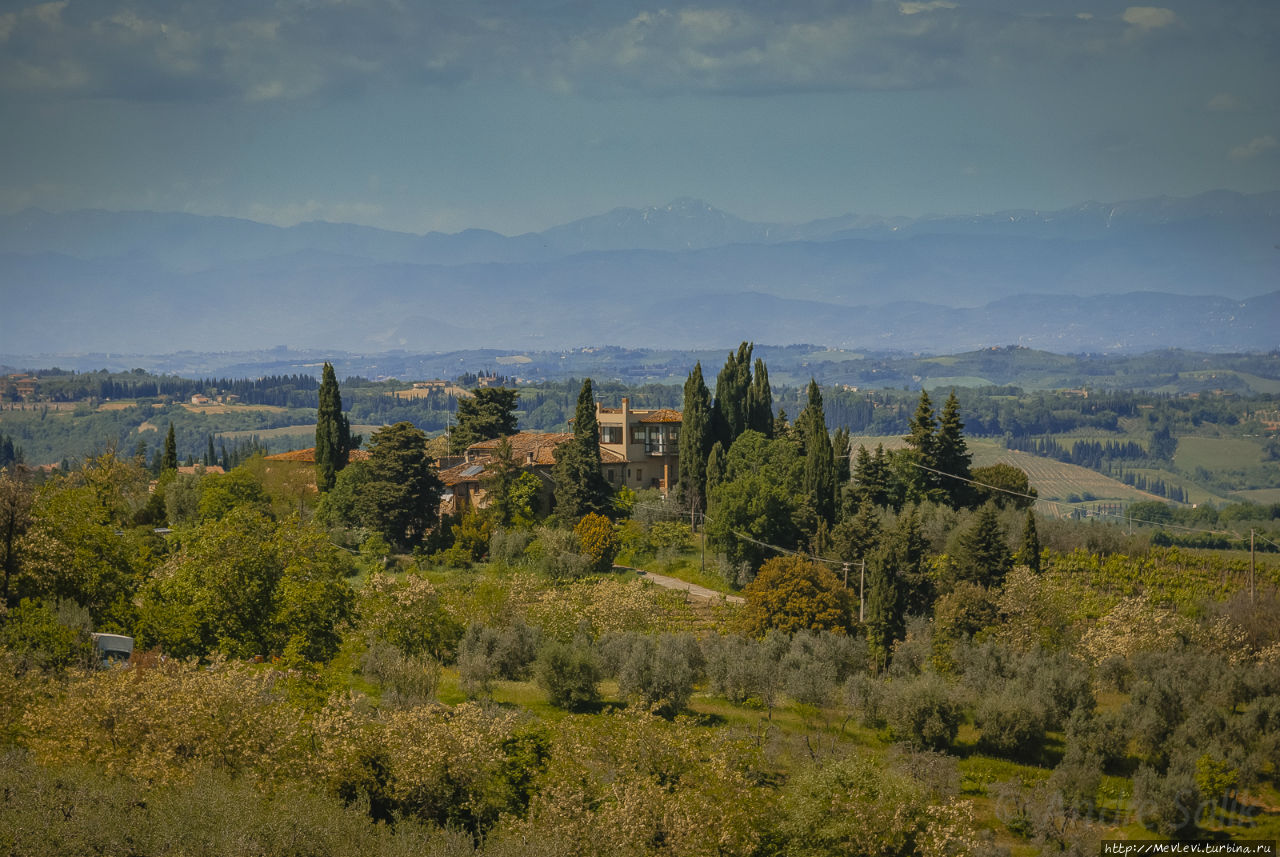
(661,447)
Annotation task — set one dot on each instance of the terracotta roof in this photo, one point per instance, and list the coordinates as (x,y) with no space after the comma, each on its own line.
(528,448)
(465,472)
(308,456)
(664,415)
(540,444)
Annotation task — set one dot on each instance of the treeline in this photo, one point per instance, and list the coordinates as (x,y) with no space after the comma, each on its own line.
(1153,485)
(1086,453)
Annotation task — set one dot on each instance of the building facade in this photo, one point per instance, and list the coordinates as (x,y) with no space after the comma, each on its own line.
(639,447)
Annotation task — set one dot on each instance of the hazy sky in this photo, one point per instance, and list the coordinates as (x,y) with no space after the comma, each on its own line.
(515,116)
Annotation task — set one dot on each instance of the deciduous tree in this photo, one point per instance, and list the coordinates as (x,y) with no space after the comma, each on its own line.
(793,593)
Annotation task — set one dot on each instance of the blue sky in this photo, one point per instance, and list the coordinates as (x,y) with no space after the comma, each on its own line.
(518,116)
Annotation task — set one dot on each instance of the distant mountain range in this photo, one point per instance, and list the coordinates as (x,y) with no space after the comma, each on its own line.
(1201,273)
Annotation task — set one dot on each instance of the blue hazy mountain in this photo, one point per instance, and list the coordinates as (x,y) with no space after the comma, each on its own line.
(1199,272)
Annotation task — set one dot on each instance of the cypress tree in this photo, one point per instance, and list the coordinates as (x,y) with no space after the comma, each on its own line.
(819,463)
(732,384)
(909,550)
(952,455)
(210,458)
(715,466)
(170,459)
(1031,543)
(884,615)
(695,441)
(580,486)
(333,432)
(840,452)
(760,401)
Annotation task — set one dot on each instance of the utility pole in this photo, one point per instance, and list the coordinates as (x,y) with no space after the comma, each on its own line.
(862,599)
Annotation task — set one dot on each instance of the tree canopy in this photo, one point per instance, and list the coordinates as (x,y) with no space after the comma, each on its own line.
(489,413)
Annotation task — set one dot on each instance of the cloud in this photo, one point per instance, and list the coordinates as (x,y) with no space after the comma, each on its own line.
(1149,17)
(1253,148)
(278,50)
(1224,102)
(916,8)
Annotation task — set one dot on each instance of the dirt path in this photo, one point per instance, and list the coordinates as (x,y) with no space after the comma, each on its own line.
(694,590)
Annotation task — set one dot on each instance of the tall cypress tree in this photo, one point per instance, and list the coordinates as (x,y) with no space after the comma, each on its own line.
(952,456)
(819,462)
(170,460)
(730,408)
(695,441)
(580,486)
(1030,553)
(333,432)
(760,401)
(884,614)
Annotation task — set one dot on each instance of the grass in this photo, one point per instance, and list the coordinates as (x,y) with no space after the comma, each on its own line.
(1217,453)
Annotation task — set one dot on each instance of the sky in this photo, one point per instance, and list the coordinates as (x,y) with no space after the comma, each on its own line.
(517,116)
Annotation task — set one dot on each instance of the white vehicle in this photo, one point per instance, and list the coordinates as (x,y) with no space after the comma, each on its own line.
(113,648)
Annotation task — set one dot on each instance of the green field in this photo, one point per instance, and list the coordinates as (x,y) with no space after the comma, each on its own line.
(1215,453)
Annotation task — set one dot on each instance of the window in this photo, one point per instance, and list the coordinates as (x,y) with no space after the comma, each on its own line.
(609,473)
(637,434)
(611,434)
(639,475)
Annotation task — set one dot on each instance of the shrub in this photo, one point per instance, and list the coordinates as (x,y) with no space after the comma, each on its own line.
(45,638)
(598,541)
(508,546)
(557,554)
(923,712)
(569,673)
(485,654)
(1169,804)
(407,679)
(1011,724)
(660,671)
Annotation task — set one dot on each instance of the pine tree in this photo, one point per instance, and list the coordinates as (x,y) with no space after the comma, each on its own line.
(922,441)
(580,486)
(489,414)
(819,463)
(333,433)
(170,459)
(695,441)
(857,537)
(982,552)
(951,455)
(760,401)
(1031,543)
